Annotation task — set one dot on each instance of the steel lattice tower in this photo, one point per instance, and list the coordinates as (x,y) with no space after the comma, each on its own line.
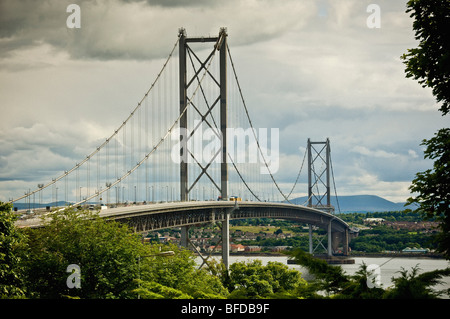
(319,195)
(188,82)
(221,101)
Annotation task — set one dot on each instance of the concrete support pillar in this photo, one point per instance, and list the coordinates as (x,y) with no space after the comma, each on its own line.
(310,239)
(226,240)
(330,240)
(184,236)
(345,243)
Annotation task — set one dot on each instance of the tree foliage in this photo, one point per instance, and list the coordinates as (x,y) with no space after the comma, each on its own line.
(115,263)
(382,238)
(429,63)
(336,284)
(327,278)
(105,251)
(412,285)
(433,186)
(154,290)
(179,272)
(253,280)
(11,255)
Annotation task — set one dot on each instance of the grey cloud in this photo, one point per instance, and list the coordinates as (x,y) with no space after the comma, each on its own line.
(104,34)
(312,69)
(177,3)
(26,24)
(137,30)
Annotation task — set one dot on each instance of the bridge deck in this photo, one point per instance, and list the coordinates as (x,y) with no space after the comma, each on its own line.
(175,214)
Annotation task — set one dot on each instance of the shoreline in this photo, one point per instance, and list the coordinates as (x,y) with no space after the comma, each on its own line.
(351,255)
(399,255)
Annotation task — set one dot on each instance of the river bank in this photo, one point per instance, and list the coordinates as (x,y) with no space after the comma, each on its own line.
(352,254)
(397,255)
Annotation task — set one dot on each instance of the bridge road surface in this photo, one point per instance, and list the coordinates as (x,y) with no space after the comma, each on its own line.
(238,210)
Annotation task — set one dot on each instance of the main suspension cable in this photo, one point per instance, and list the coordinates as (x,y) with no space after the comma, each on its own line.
(334,184)
(156,146)
(78,165)
(298,175)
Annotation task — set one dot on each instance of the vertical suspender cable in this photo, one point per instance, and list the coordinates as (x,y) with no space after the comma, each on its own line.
(146,145)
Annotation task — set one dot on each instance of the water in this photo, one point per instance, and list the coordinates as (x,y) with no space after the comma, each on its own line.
(389,267)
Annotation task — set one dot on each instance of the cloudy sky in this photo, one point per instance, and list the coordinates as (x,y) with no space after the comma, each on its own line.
(312,68)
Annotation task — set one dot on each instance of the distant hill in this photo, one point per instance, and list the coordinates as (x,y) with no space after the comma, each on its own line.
(359,203)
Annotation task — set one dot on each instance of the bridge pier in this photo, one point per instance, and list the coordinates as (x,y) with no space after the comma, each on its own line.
(330,240)
(346,241)
(334,240)
(310,239)
(226,240)
(184,236)
(340,238)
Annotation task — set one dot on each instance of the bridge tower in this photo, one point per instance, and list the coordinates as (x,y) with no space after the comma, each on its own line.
(193,70)
(319,175)
(189,81)
(319,196)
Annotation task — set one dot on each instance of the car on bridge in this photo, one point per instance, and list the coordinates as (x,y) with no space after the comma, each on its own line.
(232,198)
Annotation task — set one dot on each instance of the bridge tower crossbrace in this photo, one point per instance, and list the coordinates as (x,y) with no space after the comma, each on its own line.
(319,194)
(186,80)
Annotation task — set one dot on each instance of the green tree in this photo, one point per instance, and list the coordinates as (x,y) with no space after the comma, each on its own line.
(106,252)
(333,280)
(412,285)
(278,231)
(253,280)
(153,290)
(357,287)
(337,284)
(179,272)
(433,187)
(11,255)
(429,63)
(327,278)
(113,261)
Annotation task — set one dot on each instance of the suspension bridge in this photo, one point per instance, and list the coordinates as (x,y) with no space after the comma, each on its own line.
(185,150)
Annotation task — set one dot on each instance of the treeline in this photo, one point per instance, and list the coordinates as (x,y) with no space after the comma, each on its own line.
(382,238)
(264,222)
(392,216)
(80,255)
(375,240)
